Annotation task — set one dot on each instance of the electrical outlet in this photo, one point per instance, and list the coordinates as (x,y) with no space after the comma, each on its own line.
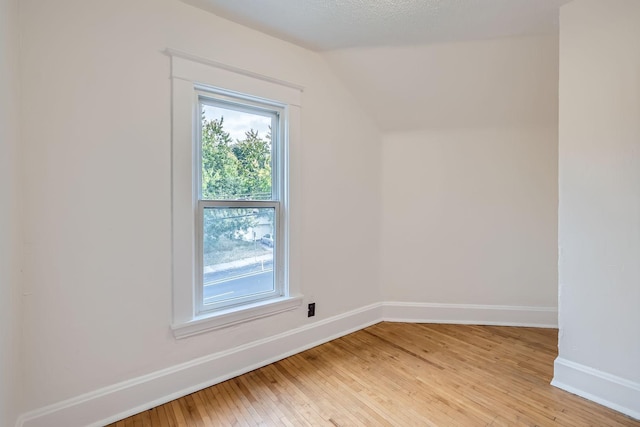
(312,310)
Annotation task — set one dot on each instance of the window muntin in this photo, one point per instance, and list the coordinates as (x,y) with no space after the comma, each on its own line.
(239,184)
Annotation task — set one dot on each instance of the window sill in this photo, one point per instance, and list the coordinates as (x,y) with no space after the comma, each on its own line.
(235,316)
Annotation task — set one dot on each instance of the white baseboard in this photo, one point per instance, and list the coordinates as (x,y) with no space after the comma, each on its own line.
(608,390)
(112,403)
(471,314)
(130,397)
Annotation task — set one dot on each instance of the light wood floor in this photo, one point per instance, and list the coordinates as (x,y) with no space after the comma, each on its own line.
(398,374)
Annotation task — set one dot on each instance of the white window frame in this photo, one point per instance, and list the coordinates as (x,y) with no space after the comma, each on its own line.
(191,77)
(244,102)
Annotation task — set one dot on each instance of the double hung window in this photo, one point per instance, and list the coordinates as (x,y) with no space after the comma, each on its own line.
(234,135)
(240,183)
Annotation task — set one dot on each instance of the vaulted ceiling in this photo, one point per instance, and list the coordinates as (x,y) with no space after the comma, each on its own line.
(426,64)
(336,24)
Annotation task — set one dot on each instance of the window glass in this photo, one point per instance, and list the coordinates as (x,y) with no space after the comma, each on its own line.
(236,153)
(238,202)
(238,253)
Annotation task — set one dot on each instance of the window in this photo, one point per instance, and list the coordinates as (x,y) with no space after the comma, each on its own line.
(240,183)
(234,136)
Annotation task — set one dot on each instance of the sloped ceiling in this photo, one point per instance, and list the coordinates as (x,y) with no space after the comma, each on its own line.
(498,83)
(337,24)
(426,64)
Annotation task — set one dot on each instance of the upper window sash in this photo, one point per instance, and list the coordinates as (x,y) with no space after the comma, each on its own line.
(226,100)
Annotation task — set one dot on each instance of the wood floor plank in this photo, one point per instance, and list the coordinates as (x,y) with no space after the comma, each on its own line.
(178,415)
(398,374)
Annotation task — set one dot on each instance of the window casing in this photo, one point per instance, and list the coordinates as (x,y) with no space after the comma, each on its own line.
(196,82)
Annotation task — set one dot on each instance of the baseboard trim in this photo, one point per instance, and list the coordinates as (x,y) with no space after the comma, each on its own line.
(471,314)
(113,403)
(601,387)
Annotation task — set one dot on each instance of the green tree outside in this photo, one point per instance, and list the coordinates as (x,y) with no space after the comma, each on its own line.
(233,170)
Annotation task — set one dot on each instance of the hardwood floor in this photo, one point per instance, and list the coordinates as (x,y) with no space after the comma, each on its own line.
(398,374)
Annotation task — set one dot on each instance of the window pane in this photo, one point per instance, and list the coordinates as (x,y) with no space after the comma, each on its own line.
(237,253)
(236,154)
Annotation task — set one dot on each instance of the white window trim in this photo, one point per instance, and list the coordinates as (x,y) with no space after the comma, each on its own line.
(188,73)
(235,316)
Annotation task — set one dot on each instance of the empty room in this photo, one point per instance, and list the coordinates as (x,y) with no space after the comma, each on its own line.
(319,212)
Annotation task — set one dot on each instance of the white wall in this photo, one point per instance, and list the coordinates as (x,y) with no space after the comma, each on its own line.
(97,189)
(469,170)
(469,217)
(10,224)
(599,215)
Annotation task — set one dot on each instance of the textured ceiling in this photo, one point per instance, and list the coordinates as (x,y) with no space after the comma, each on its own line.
(336,24)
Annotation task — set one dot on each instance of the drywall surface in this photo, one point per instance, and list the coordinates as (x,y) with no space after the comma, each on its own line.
(469,182)
(98,179)
(509,82)
(469,217)
(10,298)
(599,214)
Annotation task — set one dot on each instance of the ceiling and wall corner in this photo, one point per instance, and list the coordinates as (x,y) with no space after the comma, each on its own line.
(338,24)
(499,83)
(426,64)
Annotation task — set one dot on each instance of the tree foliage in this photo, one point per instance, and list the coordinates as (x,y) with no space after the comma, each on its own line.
(233,170)
(254,164)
